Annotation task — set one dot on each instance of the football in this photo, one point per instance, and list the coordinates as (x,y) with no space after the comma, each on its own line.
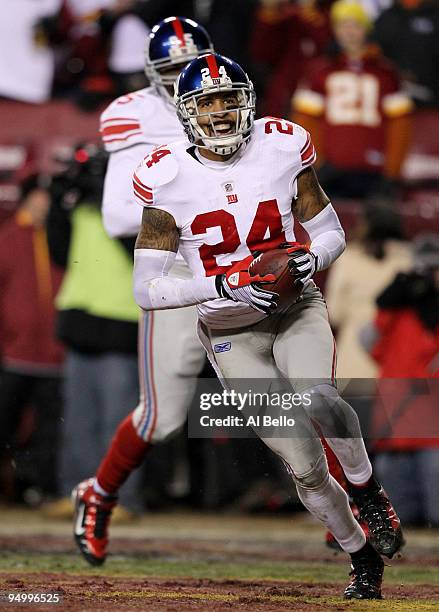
(276,262)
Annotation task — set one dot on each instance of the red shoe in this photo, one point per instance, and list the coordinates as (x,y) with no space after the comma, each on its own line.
(90,522)
(376,511)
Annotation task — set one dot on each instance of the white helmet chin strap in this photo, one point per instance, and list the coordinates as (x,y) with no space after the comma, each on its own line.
(225,145)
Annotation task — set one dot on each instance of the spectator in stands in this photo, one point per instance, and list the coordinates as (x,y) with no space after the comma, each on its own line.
(26,62)
(31,357)
(98,324)
(406,421)
(126,34)
(408,33)
(83,50)
(285,38)
(101,42)
(373,256)
(354,108)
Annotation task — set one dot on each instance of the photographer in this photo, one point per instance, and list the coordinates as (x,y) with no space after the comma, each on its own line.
(97,322)
(405,427)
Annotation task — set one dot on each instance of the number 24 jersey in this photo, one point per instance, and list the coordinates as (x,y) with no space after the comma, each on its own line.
(226,210)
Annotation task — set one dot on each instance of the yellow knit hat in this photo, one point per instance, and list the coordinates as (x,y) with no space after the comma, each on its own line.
(349,9)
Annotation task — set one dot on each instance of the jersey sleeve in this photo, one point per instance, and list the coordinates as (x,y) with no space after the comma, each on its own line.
(120,124)
(291,140)
(306,156)
(289,146)
(143,192)
(397,104)
(156,172)
(310,99)
(305,147)
(394,101)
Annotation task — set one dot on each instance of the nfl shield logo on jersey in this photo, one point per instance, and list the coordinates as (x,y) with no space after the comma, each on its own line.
(232,198)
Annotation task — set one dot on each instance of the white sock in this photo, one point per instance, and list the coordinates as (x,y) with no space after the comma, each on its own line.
(98,489)
(340,426)
(330,505)
(353,457)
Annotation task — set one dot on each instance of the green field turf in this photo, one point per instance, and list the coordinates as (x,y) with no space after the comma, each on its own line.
(217,570)
(298,572)
(198,563)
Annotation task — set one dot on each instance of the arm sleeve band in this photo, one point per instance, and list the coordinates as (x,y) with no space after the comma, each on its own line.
(155,290)
(327,236)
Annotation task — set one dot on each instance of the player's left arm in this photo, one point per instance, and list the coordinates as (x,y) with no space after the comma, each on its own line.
(317,216)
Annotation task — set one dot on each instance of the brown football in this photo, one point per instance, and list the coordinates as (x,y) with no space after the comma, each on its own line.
(276,262)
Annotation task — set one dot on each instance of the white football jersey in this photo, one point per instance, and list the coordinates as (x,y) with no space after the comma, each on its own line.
(142,117)
(131,126)
(226,210)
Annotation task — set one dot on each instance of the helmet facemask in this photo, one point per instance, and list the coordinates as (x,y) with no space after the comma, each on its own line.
(189,114)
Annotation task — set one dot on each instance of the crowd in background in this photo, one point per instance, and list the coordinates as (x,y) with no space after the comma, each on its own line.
(356,87)
(92,50)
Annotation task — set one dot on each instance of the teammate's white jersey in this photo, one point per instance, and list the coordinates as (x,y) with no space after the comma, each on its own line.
(142,117)
(131,126)
(226,210)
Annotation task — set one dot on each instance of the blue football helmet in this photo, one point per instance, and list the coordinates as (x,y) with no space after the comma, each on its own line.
(173,43)
(214,73)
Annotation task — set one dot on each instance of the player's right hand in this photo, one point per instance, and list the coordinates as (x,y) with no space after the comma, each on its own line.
(237,284)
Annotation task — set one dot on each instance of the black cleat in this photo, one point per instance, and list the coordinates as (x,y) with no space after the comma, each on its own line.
(376,511)
(367,575)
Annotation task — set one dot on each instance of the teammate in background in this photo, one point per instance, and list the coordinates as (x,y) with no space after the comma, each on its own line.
(267,167)
(170,354)
(356,112)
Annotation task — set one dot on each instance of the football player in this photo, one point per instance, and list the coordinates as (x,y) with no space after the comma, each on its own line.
(266,166)
(170,354)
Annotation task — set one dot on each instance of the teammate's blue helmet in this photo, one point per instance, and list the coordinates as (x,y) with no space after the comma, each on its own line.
(213,73)
(173,43)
